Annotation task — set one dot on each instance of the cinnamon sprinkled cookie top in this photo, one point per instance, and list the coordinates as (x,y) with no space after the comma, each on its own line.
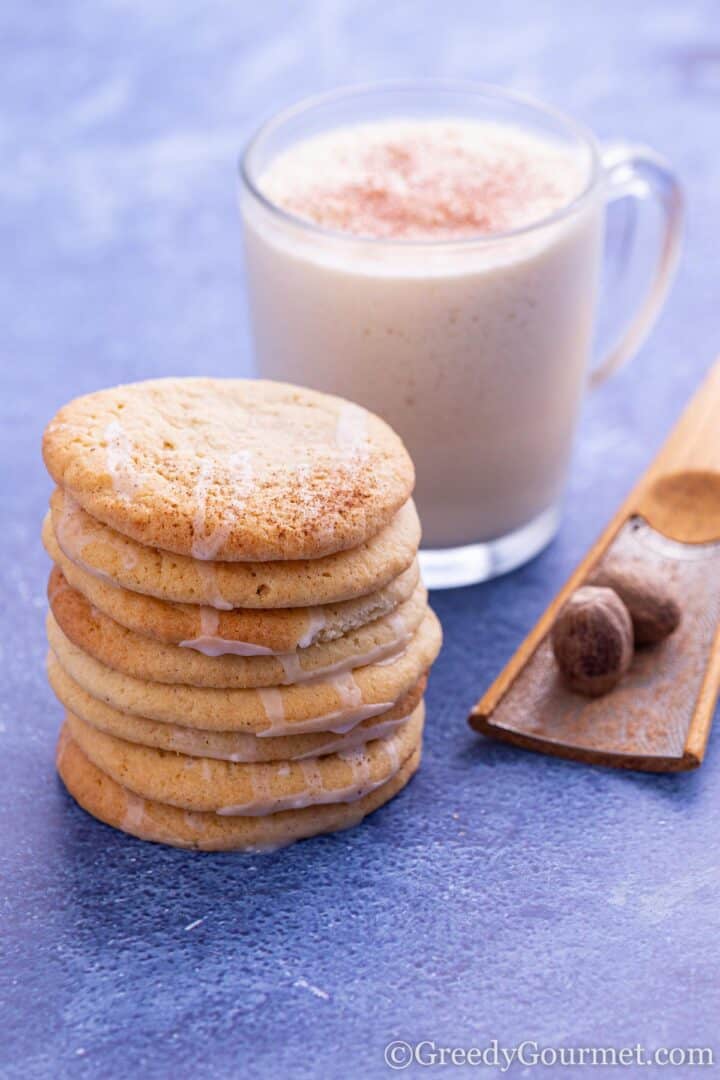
(230,469)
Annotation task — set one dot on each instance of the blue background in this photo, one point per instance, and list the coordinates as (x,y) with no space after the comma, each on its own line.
(504,895)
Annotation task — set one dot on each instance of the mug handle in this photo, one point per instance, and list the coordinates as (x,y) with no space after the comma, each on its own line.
(638,173)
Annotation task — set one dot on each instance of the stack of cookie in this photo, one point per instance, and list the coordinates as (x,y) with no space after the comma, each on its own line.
(238,631)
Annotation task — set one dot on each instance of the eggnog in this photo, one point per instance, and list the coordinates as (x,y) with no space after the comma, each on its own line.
(431,270)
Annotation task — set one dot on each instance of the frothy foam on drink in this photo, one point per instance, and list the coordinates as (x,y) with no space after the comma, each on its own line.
(429,179)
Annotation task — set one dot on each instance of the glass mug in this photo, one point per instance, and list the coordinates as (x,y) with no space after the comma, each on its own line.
(476,350)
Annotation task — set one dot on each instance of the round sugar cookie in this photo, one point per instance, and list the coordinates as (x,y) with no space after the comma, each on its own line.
(250,789)
(336,704)
(114,805)
(225,745)
(297,583)
(242,631)
(121,649)
(230,469)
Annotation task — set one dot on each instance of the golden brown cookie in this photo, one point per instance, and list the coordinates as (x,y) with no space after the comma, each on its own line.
(225,745)
(334,704)
(249,789)
(299,583)
(230,469)
(143,658)
(109,802)
(242,631)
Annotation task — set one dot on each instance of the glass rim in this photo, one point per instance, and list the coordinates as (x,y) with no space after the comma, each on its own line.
(406,86)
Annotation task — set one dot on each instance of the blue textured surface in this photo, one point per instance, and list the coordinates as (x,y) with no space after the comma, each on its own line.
(504,895)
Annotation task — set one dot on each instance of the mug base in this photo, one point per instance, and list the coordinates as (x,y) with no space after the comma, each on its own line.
(452,568)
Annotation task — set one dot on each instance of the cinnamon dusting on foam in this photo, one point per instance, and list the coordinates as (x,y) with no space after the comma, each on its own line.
(431,179)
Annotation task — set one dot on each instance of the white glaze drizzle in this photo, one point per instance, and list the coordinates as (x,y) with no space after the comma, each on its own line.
(347,690)
(69,531)
(118,459)
(193,821)
(352,713)
(351,432)
(313,776)
(186,740)
(72,538)
(209,621)
(345,720)
(272,703)
(358,762)
(315,792)
(354,739)
(206,543)
(292,669)
(391,749)
(316,623)
(208,577)
(380,655)
(209,645)
(134,815)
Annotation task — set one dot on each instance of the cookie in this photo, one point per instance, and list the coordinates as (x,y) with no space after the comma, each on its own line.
(335,704)
(108,801)
(248,789)
(242,631)
(301,583)
(230,469)
(143,658)
(225,745)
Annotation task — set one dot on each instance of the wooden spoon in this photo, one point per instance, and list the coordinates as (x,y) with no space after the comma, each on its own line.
(659,717)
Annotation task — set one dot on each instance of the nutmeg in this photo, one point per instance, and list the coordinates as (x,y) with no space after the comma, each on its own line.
(592,640)
(654,611)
